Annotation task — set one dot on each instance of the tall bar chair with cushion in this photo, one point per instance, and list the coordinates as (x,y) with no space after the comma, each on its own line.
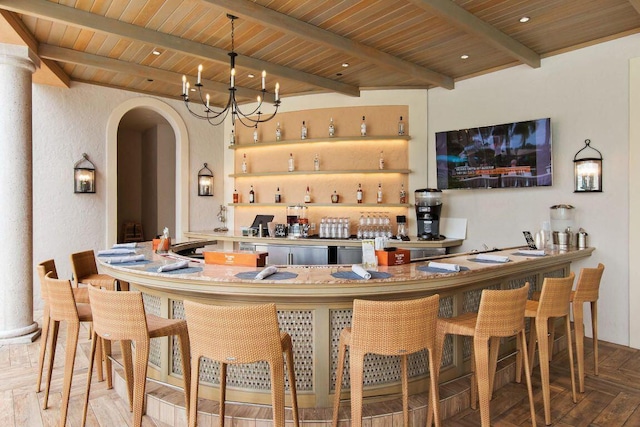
(500,315)
(130,323)
(553,303)
(390,328)
(63,308)
(240,335)
(85,270)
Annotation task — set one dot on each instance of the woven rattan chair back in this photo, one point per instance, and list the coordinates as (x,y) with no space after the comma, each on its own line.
(43,268)
(501,312)
(588,285)
(554,298)
(128,322)
(239,335)
(62,303)
(83,264)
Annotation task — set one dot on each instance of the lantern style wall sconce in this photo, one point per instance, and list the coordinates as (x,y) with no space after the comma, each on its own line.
(205,181)
(587,171)
(84,176)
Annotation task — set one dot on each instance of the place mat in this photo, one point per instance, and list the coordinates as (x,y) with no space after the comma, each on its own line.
(353,276)
(131,264)
(428,269)
(134,253)
(280,275)
(525,254)
(187,270)
(487,261)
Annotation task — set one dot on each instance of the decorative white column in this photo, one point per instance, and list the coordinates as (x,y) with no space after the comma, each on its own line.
(17,64)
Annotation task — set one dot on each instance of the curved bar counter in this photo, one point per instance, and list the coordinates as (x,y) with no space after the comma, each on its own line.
(314,306)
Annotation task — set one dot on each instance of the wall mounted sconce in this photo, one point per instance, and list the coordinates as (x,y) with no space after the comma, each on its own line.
(205,181)
(84,176)
(587,171)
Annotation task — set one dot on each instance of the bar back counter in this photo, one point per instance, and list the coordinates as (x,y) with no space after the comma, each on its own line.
(315,303)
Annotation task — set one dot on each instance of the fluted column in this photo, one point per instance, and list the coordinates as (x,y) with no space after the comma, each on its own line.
(17,64)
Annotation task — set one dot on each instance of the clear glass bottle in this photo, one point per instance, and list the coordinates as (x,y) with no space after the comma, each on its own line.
(278,132)
(291,166)
(252,195)
(359,194)
(401,127)
(332,129)
(245,167)
(379,193)
(316,163)
(236,196)
(363,127)
(307,195)
(403,194)
(255,134)
(303,131)
(381,161)
(278,196)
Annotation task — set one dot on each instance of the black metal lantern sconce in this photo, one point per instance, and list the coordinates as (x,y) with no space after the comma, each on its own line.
(205,181)
(84,176)
(587,171)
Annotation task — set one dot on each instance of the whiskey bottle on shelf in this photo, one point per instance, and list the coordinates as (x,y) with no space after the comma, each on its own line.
(245,167)
(363,127)
(236,196)
(278,132)
(400,127)
(232,138)
(278,196)
(291,167)
(303,130)
(381,161)
(252,195)
(359,194)
(332,129)
(379,194)
(255,134)
(403,194)
(307,196)
(335,197)
(316,163)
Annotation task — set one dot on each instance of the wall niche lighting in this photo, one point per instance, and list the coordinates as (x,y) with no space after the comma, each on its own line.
(84,176)
(587,170)
(205,181)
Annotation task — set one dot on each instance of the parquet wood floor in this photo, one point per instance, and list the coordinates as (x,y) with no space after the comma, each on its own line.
(611,399)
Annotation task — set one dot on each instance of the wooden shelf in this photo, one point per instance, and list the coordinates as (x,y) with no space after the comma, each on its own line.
(318,140)
(320,172)
(349,205)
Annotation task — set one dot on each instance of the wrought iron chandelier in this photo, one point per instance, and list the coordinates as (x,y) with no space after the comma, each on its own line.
(217,116)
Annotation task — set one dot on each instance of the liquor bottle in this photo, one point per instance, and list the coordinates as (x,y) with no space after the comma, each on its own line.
(278,132)
(236,197)
(359,194)
(316,163)
(334,197)
(381,161)
(278,195)
(252,195)
(403,195)
(255,134)
(232,138)
(379,195)
(245,167)
(303,131)
(363,127)
(400,127)
(307,196)
(291,167)
(332,129)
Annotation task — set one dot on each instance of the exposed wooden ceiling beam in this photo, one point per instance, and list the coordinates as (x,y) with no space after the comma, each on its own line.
(281,22)
(70,16)
(635,4)
(472,24)
(71,56)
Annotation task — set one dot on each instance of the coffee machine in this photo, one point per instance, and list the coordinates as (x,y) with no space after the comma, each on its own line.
(428,207)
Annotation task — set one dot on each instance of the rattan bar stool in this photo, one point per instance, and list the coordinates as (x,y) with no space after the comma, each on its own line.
(390,328)
(130,323)
(553,303)
(240,335)
(85,270)
(501,314)
(63,308)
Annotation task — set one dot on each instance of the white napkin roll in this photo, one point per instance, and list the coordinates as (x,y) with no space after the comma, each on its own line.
(444,266)
(361,271)
(173,266)
(494,258)
(534,252)
(117,251)
(124,245)
(121,259)
(266,272)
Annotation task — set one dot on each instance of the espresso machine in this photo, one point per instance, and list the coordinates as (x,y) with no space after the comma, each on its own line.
(428,207)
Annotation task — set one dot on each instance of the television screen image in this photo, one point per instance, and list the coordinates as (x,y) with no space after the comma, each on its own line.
(511,155)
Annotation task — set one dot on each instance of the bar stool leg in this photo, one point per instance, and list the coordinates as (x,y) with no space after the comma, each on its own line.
(578,326)
(594,327)
(481,350)
(55,326)
(73,329)
(43,345)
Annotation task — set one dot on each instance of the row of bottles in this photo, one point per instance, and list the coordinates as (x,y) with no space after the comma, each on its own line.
(334,228)
(374,224)
(304,131)
(291,164)
(335,197)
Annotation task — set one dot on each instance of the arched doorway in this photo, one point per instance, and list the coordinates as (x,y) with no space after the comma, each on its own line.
(181,163)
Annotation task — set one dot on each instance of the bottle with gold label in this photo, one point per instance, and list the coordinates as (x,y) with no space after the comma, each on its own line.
(307,195)
(252,195)
(359,194)
(278,196)
(403,194)
(236,196)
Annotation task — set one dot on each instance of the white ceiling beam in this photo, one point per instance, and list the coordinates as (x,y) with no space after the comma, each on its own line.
(281,22)
(458,16)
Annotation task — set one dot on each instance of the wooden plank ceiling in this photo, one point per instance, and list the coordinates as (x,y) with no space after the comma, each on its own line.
(302,44)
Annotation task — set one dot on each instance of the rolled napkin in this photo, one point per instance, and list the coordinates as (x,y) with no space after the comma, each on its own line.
(173,266)
(534,252)
(123,259)
(117,251)
(494,258)
(124,245)
(266,272)
(444,266)
(356,268)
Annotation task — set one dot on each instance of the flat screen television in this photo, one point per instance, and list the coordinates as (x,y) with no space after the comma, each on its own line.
(510,155)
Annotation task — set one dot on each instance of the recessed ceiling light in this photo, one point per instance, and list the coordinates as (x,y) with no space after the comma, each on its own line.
(524,19)
(156,52)
(251,75)
(465,56)
(345,64)
(193,89)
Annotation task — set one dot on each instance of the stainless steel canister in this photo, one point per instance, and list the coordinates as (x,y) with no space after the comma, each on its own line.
(582,239)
